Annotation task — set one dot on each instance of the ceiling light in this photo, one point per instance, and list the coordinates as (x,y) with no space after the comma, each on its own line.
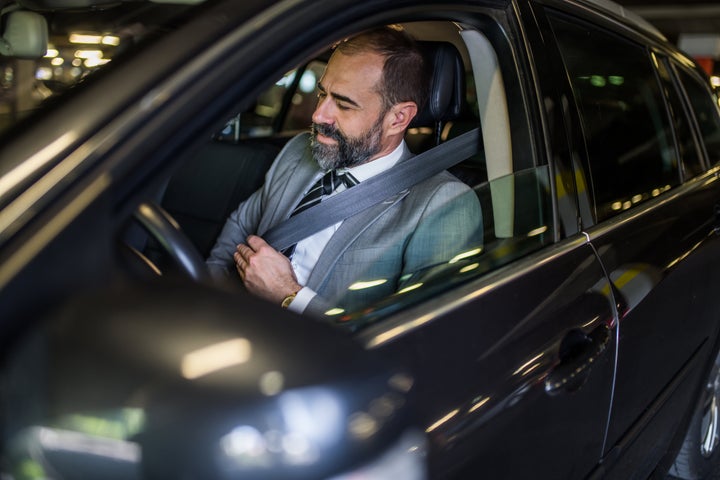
(111,40)
(95,54)
(85,38)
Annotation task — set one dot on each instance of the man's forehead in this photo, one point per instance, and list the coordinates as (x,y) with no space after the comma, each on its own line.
(360,70)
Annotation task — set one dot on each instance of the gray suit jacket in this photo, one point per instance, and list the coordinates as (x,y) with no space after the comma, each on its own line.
(372,254)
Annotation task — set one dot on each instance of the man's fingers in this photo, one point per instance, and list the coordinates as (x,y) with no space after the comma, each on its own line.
(256,243)
(244,251)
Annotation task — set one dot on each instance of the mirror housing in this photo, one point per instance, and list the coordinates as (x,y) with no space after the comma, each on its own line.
(25,35)
(165,380)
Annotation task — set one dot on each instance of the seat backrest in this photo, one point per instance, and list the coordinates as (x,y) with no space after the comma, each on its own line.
(212,183)
(447,94)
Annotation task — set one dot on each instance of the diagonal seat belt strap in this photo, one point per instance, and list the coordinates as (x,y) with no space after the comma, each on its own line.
(354,200)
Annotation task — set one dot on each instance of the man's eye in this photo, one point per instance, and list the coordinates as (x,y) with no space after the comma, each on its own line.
(342,106)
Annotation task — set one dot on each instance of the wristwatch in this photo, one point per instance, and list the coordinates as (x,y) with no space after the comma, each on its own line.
(288,300)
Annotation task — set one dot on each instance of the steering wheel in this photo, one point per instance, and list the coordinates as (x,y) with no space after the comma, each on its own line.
(165,229)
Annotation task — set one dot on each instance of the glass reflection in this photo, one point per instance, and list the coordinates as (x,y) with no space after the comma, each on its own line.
(308,422)
(519,226)
(368,284)
(216,357)
(442,421)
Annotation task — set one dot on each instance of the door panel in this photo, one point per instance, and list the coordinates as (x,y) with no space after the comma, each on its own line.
(482,369)
(664,263)
(656,241)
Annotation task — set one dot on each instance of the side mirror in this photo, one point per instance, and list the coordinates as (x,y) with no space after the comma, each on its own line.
(25,35)
(171,380)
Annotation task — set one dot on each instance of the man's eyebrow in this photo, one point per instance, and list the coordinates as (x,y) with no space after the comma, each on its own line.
(339,97)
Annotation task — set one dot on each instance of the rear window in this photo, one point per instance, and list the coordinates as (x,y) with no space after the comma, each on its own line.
(705,108)
(627,130)
(690,157)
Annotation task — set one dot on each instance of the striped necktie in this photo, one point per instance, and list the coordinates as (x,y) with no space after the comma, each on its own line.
(320,189)
(324,187)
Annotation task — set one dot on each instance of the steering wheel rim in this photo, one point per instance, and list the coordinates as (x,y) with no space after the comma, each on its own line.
(163,228)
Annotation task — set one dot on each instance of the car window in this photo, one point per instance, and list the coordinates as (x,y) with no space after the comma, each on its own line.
(512,236)
(285,107)
(512,210)
(705,107)
(691,159)
(625,122)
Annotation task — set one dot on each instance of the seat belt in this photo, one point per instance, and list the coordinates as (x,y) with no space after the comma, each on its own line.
(372,191)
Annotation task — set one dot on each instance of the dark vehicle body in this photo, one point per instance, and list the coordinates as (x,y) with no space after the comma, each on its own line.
(582,344)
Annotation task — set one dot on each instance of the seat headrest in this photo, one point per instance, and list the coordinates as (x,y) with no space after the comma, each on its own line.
(447,84)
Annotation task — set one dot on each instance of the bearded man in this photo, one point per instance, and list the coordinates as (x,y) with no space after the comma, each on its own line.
(372,88)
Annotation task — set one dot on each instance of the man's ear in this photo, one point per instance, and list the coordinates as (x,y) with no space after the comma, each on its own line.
(400,116)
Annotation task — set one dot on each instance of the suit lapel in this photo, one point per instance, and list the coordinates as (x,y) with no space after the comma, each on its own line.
(297,179)
(348,232)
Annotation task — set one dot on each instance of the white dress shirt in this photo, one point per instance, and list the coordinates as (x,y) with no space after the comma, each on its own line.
(307,251)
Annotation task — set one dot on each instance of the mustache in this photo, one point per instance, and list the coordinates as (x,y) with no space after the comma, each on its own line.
(330,131)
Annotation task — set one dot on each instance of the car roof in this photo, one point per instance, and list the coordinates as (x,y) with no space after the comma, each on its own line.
(618,11)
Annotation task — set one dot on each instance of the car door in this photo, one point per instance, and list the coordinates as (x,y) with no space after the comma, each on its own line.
(522,365)
(651,221)
(513,350)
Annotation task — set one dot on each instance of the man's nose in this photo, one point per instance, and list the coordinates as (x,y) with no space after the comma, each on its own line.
(322,113)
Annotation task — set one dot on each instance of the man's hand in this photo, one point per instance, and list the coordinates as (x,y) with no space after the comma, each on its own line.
(265,272)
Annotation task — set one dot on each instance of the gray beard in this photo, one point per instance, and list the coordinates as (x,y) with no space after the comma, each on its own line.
(348,152)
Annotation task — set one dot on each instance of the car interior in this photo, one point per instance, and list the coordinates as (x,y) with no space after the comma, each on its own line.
(468,91)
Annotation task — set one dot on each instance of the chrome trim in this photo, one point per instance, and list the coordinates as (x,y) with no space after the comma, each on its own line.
(620,220)
(631,17)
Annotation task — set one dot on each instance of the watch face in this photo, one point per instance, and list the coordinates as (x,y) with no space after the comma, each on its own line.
(288,300)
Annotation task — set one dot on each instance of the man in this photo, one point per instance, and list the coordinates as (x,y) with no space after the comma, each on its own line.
(372,88)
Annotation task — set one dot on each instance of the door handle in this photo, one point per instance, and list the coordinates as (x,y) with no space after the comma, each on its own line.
(578,352)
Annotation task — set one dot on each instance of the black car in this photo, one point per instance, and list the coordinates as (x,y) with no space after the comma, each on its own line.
(579,340)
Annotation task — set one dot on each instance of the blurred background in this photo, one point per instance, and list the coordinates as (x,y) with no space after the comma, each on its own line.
(80,44)
(694,25)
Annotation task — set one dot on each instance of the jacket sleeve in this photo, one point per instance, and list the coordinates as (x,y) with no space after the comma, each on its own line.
(450,225)
(246,219)
(240,224)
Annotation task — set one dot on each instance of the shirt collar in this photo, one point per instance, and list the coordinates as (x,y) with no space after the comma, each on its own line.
(379,165)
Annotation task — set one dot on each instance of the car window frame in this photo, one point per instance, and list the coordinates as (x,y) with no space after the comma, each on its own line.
(675,88)
(677,66)
(587,198)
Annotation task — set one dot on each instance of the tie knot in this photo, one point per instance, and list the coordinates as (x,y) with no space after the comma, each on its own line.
(333,179)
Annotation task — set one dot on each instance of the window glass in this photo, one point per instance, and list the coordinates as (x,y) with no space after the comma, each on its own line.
(705,108)
(303,101)
(286,107)
(691,160)
(522,199)
(627,130)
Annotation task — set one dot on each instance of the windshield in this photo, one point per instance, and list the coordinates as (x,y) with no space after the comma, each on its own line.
(80,42)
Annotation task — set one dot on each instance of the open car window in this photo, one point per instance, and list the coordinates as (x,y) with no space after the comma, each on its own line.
(511,189)
(283,109)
